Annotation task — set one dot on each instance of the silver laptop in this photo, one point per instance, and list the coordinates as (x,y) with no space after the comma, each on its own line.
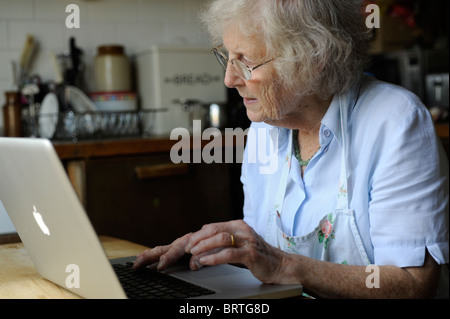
(54,228)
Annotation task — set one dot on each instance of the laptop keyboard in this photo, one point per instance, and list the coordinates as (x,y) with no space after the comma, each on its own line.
(151,284)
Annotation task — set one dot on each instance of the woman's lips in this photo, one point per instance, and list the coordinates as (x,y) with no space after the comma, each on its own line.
(248,101)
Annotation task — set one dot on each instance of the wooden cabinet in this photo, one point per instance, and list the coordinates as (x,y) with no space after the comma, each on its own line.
(132,190)
(443,133)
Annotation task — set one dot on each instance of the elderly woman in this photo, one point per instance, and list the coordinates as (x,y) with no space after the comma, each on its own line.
(361,177)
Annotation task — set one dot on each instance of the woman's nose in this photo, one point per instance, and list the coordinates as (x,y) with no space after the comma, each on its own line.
(232,79)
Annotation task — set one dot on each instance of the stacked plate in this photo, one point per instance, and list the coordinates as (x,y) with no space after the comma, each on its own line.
(114,101)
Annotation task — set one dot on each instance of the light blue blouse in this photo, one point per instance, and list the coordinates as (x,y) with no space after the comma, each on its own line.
(398,176)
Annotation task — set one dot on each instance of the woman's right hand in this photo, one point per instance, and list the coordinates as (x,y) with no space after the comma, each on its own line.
(161,257)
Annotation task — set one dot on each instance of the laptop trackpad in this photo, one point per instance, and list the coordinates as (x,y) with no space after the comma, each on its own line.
(228,282)
(216,273)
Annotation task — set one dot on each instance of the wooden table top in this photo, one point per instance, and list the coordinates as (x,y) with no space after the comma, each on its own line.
(20,280)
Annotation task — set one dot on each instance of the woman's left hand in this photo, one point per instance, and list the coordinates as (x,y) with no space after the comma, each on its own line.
(236,242)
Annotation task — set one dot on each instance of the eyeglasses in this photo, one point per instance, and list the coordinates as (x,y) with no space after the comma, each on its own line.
(243,71)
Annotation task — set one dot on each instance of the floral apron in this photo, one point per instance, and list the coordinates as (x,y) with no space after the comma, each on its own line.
(336,239)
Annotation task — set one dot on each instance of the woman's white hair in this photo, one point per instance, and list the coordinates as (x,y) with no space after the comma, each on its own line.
(320,45)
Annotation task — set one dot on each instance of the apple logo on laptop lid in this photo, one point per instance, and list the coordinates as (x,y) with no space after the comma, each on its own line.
(40,221)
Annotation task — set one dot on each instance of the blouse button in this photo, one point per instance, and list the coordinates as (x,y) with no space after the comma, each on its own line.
(326,133)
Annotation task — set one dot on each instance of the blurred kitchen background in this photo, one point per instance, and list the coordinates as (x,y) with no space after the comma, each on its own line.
(410,49)
(138,68)
(135,25)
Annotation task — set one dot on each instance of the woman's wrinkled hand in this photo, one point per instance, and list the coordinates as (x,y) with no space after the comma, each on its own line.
(231,242)
(236,242)
(161,257)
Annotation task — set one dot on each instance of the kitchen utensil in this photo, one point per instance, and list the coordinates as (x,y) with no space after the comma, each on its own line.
(79,101)
(30,90)
(72,74)
(48,116)
(25,58)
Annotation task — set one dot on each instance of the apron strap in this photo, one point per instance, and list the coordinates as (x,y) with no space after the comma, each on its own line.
(343,201)
(281,192)
(271,229)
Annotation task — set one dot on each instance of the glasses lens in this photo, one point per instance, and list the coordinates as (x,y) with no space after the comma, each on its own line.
(242,70)
(222,60)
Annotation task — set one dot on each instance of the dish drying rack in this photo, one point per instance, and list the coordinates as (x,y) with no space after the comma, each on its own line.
(81,119)
(75,126)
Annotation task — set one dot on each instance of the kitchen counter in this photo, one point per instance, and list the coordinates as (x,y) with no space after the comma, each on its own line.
(113,147)
(136,146)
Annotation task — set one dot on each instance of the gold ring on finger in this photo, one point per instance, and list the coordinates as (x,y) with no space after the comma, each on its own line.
(233,242)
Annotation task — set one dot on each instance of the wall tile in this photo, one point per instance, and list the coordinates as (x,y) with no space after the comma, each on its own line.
(193,9)
(190,34)
(47,34)
(140,37)
(22,9)
(6,56)
(162,11)
(3,34)
(113,11)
